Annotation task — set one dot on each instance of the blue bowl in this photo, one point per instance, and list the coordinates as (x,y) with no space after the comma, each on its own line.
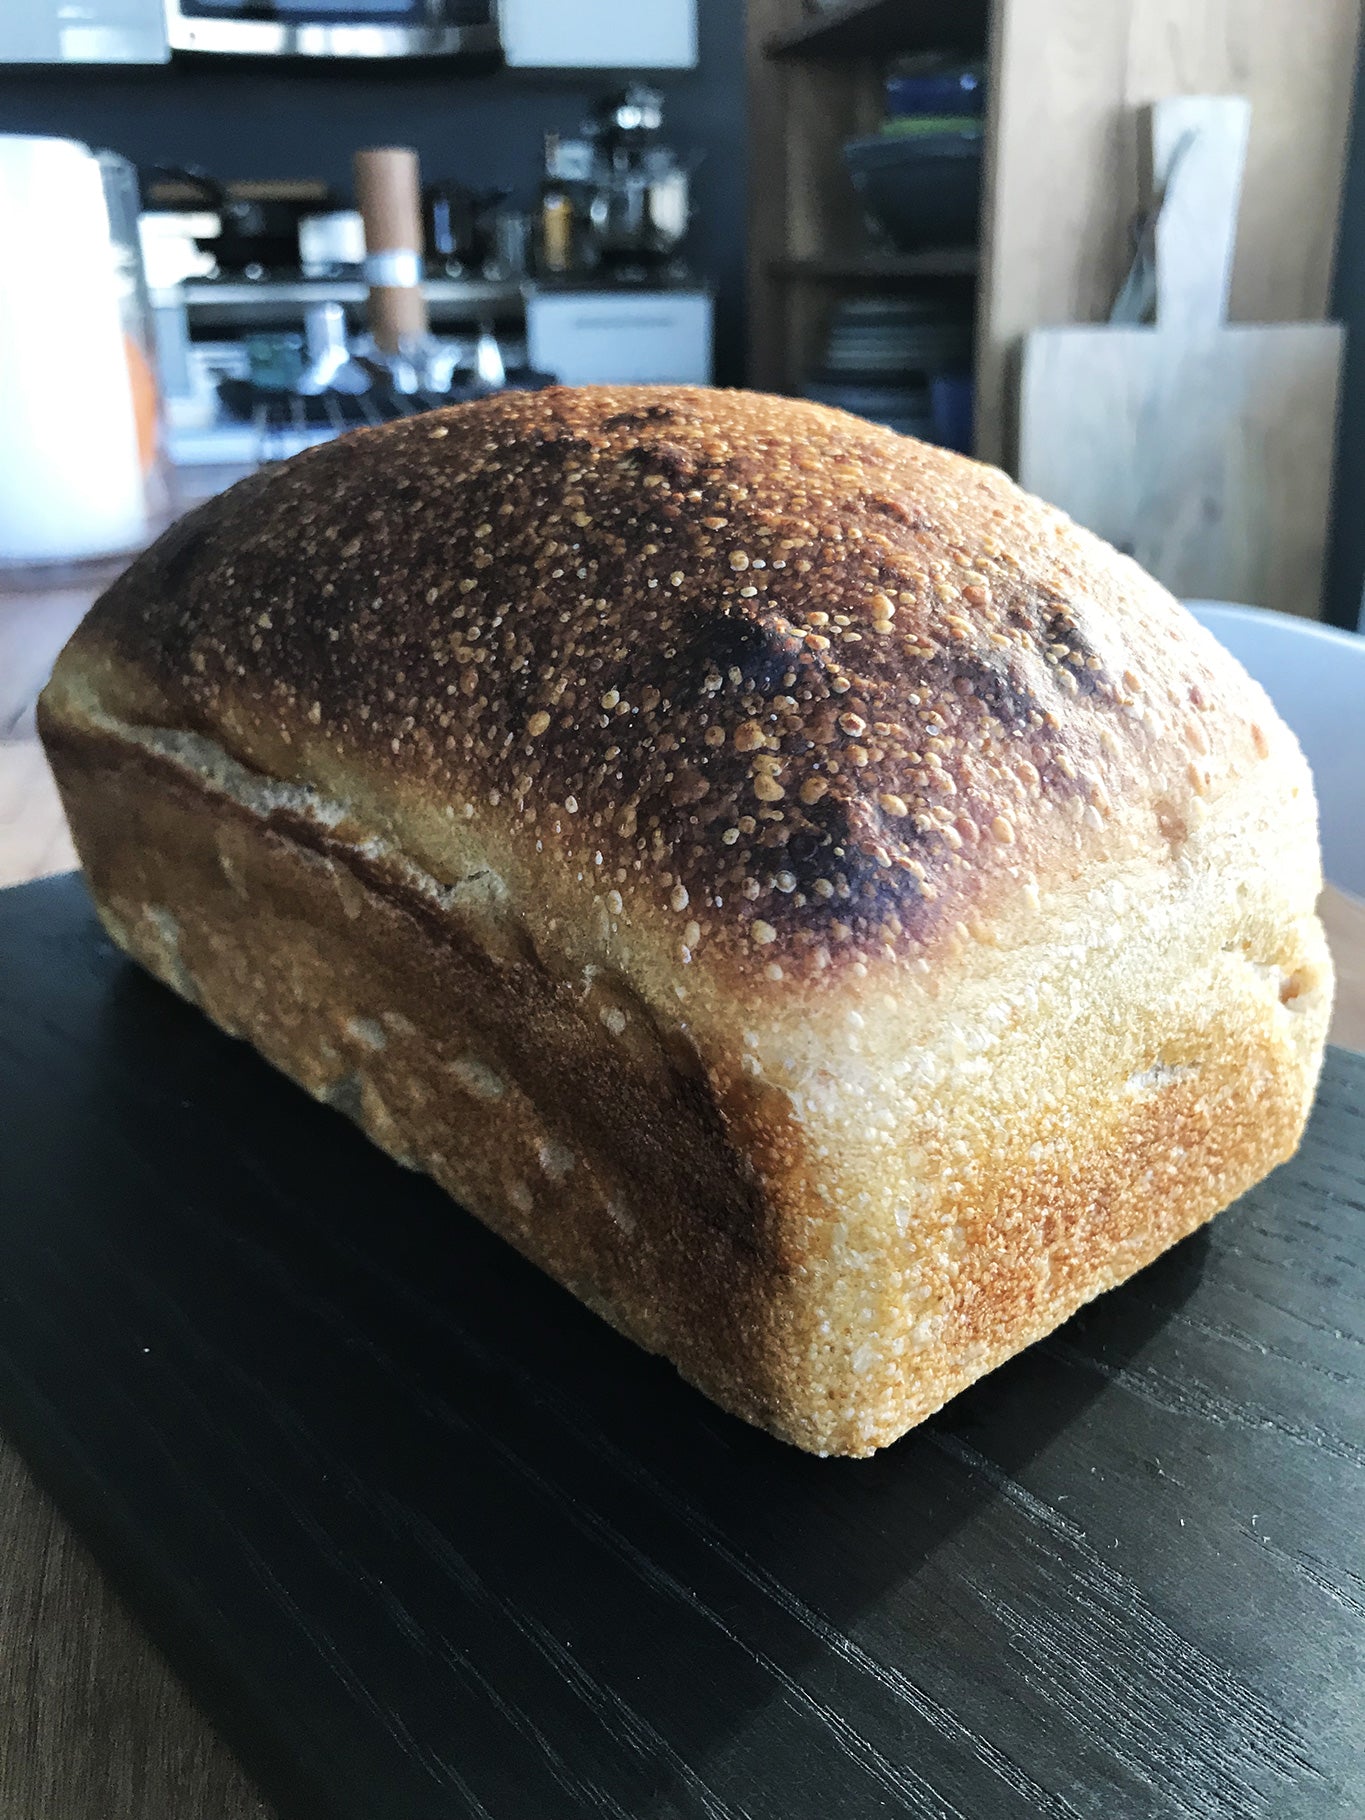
(959,91)
(921,191)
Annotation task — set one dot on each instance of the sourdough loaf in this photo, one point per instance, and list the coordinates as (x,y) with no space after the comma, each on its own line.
(828,910)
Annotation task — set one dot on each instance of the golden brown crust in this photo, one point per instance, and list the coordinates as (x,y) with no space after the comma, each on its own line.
(814,691)
(879,948)
(612,1167)
(665,1194)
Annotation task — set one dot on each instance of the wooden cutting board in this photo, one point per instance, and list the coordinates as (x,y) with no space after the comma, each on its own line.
(429,1541)
(1201,448)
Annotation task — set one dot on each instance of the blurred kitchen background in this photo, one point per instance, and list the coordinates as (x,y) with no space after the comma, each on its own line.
(1119,249)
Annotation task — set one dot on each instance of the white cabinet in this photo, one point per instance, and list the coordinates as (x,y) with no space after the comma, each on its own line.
(100,31)
(599,34)
(621,338)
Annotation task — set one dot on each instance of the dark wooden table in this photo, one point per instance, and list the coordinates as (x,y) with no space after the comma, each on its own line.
(430,1541)
(93,1724)
(92,1721)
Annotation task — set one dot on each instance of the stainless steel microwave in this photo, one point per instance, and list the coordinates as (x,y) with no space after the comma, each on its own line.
(333,28)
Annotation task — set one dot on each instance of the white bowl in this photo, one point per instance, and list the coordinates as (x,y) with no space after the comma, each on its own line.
(1315,675)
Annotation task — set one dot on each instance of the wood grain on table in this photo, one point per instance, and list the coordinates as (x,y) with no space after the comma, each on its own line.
(93,1725)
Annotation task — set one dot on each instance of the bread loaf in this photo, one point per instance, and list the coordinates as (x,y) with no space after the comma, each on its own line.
(826,909)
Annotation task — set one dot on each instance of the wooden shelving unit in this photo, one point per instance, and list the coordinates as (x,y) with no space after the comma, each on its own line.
(1061,175)
(880,268)
(882,28)
(816,80)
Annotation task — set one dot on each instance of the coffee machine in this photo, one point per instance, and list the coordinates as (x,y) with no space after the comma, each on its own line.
(616,201)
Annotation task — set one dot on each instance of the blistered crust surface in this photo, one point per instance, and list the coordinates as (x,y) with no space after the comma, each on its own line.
(812,691)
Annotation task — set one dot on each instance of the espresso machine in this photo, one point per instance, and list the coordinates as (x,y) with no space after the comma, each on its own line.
(616,201)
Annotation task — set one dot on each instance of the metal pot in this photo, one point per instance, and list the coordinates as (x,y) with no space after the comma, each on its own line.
(257,233)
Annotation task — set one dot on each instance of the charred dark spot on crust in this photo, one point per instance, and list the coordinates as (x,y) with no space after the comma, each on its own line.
(559,449)
(676,464)
(763,652)
(1000,690)
(805,844)
(811,853)
(839,846)
(637,420)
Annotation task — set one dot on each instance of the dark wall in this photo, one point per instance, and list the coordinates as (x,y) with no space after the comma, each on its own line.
(260,120)
(1346,566)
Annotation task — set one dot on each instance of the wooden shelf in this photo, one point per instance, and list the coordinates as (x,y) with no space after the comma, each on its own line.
(841,268)
(815,82)
(886,28)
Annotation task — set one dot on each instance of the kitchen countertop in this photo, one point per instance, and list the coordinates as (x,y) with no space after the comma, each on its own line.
(93,1725)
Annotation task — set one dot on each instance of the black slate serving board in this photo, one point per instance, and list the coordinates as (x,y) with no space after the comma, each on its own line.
(428,1540)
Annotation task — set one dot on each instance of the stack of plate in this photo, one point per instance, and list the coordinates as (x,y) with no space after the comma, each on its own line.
(881,356)
(896,334)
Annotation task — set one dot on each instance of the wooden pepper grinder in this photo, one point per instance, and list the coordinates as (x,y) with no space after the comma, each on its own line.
(388,190)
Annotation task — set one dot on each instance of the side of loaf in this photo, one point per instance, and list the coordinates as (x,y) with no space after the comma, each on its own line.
(827,910)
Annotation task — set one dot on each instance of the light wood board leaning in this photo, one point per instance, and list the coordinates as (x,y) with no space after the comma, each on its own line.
(1203,449)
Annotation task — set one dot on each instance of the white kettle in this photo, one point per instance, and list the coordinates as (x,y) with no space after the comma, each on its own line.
(77,396)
